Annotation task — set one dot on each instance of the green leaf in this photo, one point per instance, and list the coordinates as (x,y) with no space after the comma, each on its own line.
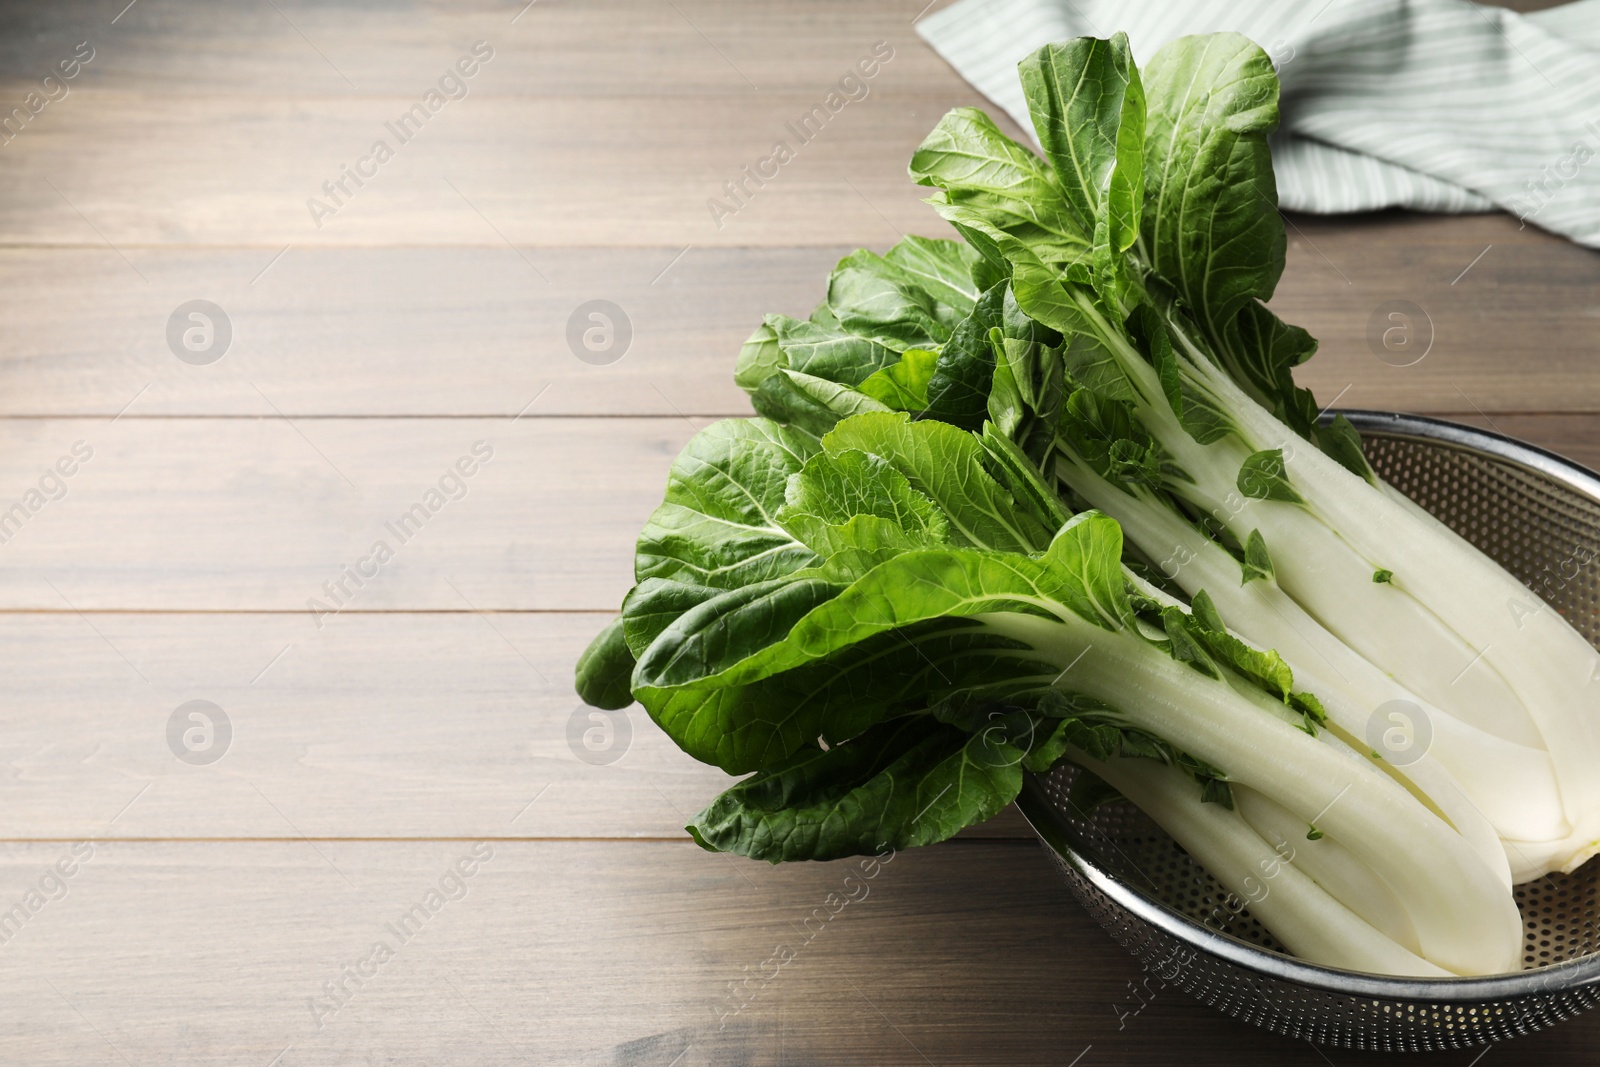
(605,669)
(829,350)
(1086,743)
(854,546)
(1204,612)
(1031,352)
(1135,464)
(1214,790)
(903,386)
(655,604)
(1264,668)
(1020,477)
(716,526)
(1006,406)
(836,400)
(809,404)
(1308,704)
(1185,642)
(723,631)
(760,357)
(1106,436)
(988,271)
(856,506)
(1202,415)
(1262,477)
(995,267)
(1040,292)
(911,781)
(1310,707)
(1067,734)
(1260,351)
(1091,365)
(1088,111)
(1257,560)
(1149,333)
(958,392)
(1089,549)
(1340,440)
(973,713)
(837,693)
(1029,381)
(817,349)
(1211,225)
(1023,378)
(724,643)
(839,484)
(945,464)
(1100,739)
(1016,324)
(877,299)
(1205,418)
(1001,191)
(941,268)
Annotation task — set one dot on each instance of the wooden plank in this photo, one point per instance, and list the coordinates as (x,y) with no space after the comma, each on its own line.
(472,331)
(459,331)
(551,48)
(565,137)
(261,514)
(209,514)
(591,953)
(1481,315)
(378,725)
(539,172)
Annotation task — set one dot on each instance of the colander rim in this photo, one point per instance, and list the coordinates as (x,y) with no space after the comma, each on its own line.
(1556,978)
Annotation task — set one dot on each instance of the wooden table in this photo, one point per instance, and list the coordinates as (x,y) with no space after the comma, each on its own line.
(225,910)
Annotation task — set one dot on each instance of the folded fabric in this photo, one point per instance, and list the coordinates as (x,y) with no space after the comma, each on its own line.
(1436,105)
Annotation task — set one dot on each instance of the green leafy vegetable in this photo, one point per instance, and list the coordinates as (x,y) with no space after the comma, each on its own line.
(1009,503)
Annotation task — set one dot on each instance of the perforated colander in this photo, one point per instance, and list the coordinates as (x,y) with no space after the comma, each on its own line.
(1538,515)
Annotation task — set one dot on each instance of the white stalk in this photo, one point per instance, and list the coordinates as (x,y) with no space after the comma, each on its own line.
(1471,924)
(1451,616)
(1333,582)
(1310,921)
(1470,774)
(1519,638)
(1330,865)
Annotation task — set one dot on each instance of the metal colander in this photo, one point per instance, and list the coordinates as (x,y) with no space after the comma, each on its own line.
(1538,515)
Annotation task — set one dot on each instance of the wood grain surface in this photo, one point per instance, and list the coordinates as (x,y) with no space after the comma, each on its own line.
(430,721)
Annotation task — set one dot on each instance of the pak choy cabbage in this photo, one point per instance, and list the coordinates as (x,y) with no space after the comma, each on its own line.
(1050,493)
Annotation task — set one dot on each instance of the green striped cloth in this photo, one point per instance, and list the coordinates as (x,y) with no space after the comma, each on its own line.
(1436,105)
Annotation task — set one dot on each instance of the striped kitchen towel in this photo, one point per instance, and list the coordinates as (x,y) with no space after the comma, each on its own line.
(1436,105)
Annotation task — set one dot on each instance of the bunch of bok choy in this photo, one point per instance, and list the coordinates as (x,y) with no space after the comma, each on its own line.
(1051,493)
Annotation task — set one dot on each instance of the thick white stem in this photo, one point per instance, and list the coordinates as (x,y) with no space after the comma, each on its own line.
(1489,788)
(1309,920)
(1473,926)
(1551,667)
(1515,642)
(1333,581)
(1330,865)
